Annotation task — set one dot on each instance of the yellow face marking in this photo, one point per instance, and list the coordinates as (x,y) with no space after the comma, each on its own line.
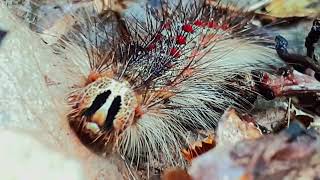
(99,118)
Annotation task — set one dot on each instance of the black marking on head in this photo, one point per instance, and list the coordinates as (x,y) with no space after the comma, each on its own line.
(97,103)
(112,112)
(2,35)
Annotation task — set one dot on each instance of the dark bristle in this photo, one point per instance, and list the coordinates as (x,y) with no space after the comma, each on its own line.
(97,103)
(112,112)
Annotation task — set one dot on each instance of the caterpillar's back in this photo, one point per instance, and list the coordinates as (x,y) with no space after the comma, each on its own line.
(159,79)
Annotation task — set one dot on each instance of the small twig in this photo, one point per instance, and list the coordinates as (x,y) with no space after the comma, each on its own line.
(289,112)
(312,38)
(300,89)
(259,5)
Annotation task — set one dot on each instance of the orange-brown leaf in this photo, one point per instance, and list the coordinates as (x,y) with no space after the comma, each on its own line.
(198,148)
(175,174)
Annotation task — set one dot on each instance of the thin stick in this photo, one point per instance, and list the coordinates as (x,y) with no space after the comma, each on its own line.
(312,38)
(258,5)
(289,111)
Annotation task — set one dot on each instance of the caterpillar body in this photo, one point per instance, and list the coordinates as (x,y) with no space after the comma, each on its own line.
(155,80)
(164,77)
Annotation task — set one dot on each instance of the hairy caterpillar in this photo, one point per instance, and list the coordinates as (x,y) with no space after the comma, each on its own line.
(160,78)
(166,77)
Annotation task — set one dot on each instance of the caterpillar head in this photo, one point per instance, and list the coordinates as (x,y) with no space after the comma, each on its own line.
(102,110)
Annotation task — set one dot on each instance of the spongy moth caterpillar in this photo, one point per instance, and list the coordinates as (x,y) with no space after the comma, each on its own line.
(170,75)
(162,77)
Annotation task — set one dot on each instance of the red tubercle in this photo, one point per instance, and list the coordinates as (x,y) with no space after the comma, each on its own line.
(169,65)
(138,112)
(93,76)
(212,24)
(166,25)
(181,39)
(158,37)
(175,52)
(198,23)
(187,28)
(265,78)
(225,27)
(151,47)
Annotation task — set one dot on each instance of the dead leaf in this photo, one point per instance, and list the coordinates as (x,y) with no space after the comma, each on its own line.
(292,154)
(175,174)
(293,8)
(232,129)
(198,148)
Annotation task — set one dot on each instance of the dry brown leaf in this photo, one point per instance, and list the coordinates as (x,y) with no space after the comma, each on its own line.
(293,8)
(292,154)
(175,174)
(199,147)
(232,129)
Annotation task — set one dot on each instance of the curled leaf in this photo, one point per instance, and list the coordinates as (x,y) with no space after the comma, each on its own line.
(232,128)
(293,8)
(198,148)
